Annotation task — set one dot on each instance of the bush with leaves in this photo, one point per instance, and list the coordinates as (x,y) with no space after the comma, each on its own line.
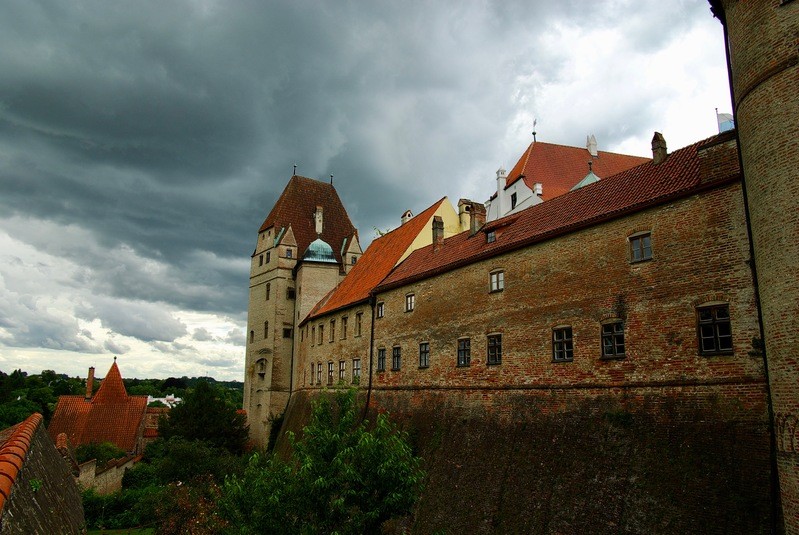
(204,415)
(102,451)
(345,477)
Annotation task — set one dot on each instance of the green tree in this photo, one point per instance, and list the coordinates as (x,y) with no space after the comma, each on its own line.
(345,477)
(102,451)
(204,415)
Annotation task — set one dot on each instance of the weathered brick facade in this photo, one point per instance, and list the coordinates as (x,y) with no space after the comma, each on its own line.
(763,48)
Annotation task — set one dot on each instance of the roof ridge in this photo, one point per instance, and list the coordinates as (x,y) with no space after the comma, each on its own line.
(13,452)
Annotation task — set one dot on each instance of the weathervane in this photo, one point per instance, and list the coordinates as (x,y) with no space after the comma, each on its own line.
(535,121)
(331,179)
(295,170)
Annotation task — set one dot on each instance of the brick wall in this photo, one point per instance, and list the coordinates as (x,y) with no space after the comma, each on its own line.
(764,53)
(580,280)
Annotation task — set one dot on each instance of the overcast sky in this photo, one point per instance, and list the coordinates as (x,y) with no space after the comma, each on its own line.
(143,143)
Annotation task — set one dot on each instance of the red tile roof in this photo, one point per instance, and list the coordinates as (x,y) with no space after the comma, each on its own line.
(558,167)
(110,416)
(296,207)
(14,445)
(627,192)
(376,262)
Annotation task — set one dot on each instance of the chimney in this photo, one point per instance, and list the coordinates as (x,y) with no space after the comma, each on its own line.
(438,232)
(659,153)
(407,215)
(319,221)
(90,383)
(477,218)
(502,180)
(538,188)
(590,144)
(464,210)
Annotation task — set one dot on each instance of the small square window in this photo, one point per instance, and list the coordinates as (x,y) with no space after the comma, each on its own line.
(424,355)
(714,330)
(640,247)
(562,344)
(381,309)
(381,360)
(410,302)
(396,358)
(491,236)
(464,352)
(497,281)
(290,293)
(354,260)
(287,331)
(494,349)
(289,253)
(613,340)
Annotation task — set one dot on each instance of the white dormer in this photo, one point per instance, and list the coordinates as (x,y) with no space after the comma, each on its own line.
(407,215)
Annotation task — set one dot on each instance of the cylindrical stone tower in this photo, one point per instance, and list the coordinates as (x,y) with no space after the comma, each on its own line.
(763,48)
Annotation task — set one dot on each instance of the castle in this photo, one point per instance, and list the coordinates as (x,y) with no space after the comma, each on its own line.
(665,293)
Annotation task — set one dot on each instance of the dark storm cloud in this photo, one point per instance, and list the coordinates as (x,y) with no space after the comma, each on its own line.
(150,139)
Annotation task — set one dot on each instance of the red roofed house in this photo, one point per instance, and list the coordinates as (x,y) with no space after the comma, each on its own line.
(111,415)
(38,493)
(546,170)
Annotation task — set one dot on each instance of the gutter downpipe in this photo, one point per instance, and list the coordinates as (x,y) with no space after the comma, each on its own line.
(372,301)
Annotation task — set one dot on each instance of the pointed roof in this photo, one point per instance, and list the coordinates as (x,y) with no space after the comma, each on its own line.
(558,167)
(684,172)
(376,262)
(296,206)
(110,416)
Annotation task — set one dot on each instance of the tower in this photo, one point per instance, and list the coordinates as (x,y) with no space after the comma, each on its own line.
(763,60)
(307,214)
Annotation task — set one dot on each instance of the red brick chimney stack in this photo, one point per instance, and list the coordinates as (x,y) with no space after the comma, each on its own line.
(659,153)
(438,232)
(90,383)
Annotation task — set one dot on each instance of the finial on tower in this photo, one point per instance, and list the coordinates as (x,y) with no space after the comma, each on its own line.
(331,179)
(535,121)
(295,170)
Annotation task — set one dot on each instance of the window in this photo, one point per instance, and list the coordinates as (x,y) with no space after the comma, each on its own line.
(252,336)
(313,370)
(424,354)
(268,256)
(332,330)
(381,309)
(261,260)
(289,253)
(330,372)
(381,360)
(714,330)
(287,332)
(491,236)
(356,370)
(464,352)
(562,345)
(321,334)
(358,323)
(640,247)
(396,358)
(313,335)
(410,301)
(319,373)
(342,369)
(354,260)
(497,279)
(613,339)
(512,201)
(494,349)
(268,290)
(266,329)
(290,293)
